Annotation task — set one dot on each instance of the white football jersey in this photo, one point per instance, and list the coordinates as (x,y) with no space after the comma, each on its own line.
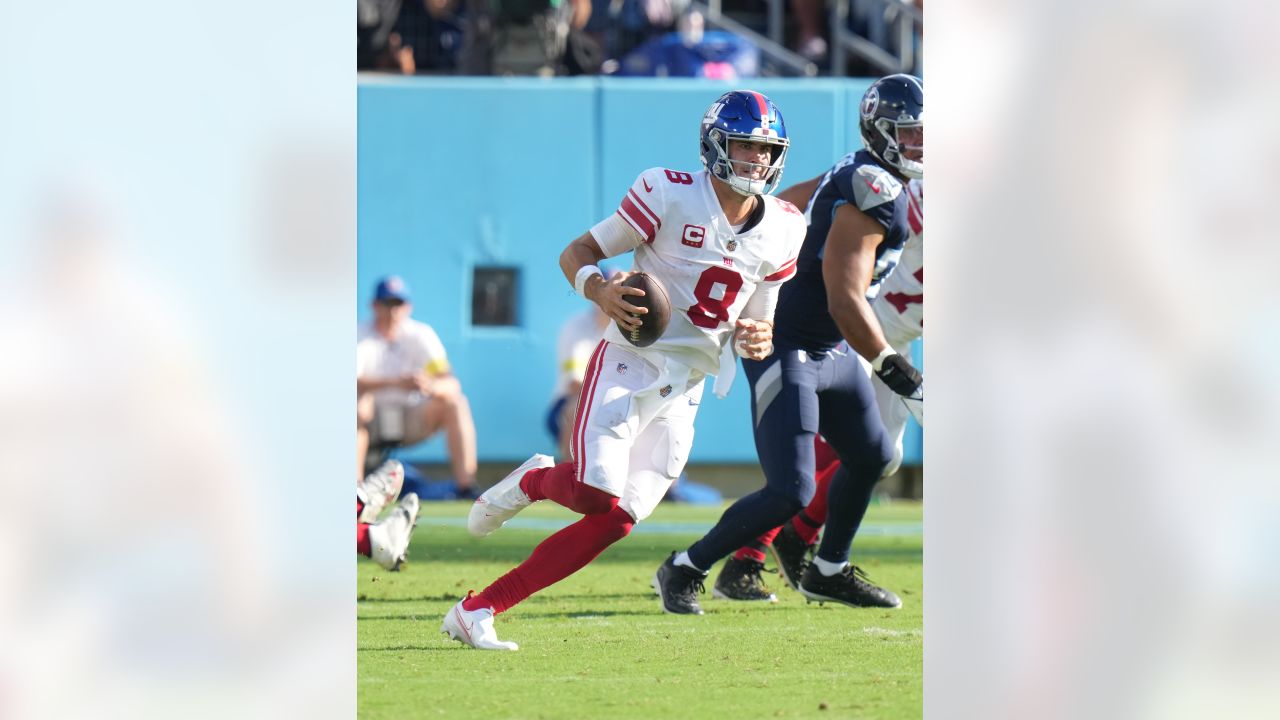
(900,305)
(709,271)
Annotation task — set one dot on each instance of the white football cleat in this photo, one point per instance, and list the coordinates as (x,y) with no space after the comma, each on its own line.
(389,539)
(474,627)
(379,489)
(501,502)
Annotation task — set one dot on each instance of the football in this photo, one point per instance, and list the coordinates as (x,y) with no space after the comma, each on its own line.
(657,301)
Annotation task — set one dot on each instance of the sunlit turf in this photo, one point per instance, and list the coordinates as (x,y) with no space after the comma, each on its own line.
(599,646)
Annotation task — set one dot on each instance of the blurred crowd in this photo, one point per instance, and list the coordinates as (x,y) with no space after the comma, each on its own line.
(656,38)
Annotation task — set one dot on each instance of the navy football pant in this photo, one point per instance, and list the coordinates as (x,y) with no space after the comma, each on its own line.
(795,395)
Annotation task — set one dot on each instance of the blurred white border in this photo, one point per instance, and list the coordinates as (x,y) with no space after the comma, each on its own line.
(177,281)
(1103,356)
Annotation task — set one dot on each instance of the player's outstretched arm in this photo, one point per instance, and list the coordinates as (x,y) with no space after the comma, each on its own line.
(609,295)
(847,267)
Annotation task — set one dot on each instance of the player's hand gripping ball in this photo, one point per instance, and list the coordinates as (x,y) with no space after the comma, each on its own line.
(653,323)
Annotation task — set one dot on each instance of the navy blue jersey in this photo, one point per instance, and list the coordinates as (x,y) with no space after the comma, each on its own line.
(802,317)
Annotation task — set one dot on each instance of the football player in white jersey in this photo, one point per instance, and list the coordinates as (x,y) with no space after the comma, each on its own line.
(722,247)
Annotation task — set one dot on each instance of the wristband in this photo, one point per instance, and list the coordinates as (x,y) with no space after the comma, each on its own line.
(584,273)
(884,355)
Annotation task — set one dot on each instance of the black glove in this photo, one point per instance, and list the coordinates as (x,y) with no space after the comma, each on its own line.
(898,375)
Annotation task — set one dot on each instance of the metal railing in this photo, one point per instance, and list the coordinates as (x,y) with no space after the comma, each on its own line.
(890,45)
(771,46)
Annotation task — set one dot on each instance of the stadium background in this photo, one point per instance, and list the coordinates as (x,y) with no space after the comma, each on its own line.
(460,174)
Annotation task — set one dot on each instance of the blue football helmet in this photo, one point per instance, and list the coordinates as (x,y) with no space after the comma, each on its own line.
(743,115)
(892,122)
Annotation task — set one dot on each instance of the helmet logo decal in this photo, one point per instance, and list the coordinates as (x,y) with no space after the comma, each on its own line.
(870,102)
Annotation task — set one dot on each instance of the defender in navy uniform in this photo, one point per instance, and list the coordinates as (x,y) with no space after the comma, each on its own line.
(812,383)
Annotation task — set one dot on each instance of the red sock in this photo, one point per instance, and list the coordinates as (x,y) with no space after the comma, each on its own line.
(560,484)
(823,454)
(362,539)
(755,550)
(810,520)
(807,529)
(766,537)
(555,559)
(817,509)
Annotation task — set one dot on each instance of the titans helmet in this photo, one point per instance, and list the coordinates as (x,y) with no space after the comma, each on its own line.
(892,122)
(748,116)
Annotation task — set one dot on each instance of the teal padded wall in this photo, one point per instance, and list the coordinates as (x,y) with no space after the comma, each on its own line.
(459,172)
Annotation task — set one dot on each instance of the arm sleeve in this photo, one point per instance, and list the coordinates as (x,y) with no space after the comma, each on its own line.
(575,366)
(615,236)
(573,351)
(640,211)
(762,302)
(436,363)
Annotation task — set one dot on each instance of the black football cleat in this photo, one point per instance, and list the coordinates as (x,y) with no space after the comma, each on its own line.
(791,554)
(847,587)
(740,580)
(678,587)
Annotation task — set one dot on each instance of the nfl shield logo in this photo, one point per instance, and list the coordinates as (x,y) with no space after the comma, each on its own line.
(732,245)
(622,367)
(665,391)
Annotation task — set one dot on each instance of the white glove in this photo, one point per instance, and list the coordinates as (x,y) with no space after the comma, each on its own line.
(915,404)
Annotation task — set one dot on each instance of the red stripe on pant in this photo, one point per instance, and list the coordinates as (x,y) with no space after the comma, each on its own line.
(584,408)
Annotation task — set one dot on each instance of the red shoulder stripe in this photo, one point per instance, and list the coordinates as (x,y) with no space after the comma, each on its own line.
(787,270)
(637,218)
(641,204)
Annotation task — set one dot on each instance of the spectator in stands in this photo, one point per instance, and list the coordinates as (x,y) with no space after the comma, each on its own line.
(378,45)
(694,52)
(579,336)
(811,44)
(435,29)
(519,37)
(405,390)
(620,26)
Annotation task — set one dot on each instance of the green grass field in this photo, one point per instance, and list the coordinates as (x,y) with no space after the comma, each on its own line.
(598,644)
